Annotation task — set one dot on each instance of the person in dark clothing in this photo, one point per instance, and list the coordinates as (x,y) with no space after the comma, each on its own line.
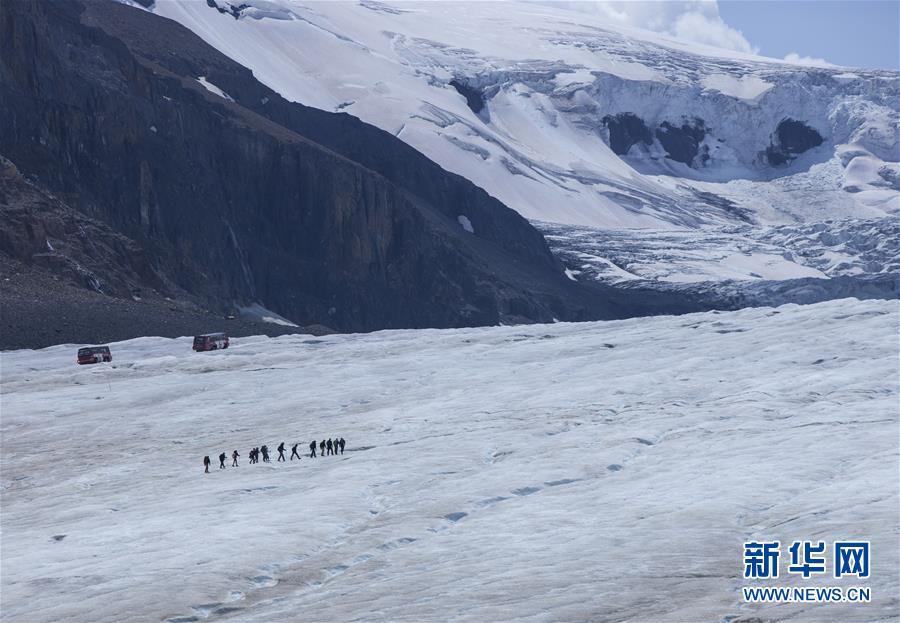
(341,444)
(254,455)
(312,449)
(294,452)
(234,458)
(206,464)
(328,447)
(322,448)
(265,453)
(281,451)
(222,458)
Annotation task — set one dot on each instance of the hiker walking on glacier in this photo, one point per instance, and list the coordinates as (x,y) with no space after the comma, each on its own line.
(294,452)
(281,451)
(234,458)
(329,447)
(222,458)
(206,462)
(322,448)
(265,452)
(341,444)
(312,449)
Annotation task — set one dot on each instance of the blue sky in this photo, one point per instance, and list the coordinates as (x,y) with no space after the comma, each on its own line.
(853,33)
(856,33)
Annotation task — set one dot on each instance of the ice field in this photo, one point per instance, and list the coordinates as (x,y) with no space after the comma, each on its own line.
(569,472)
(546,77)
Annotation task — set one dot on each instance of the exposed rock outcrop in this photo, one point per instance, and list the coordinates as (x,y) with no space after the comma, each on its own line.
(790,139)
(474,97)
(249,198)
(682,143)
(625,130)
(40,230)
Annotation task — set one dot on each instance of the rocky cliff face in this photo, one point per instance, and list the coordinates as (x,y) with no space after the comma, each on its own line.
(238,196)
(41,230)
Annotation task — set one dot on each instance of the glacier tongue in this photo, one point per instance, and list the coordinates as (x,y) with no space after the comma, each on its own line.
(518,98)
(588,471)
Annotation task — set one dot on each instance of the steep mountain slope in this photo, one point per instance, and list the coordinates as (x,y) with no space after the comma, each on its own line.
(40,229)
(568,120)
(137,123)
(69,278)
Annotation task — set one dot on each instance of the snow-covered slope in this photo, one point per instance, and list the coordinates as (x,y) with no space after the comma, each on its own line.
(568,472)
(568,119)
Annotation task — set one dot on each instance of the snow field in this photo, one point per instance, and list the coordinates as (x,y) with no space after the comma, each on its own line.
(597,471)
(550,76)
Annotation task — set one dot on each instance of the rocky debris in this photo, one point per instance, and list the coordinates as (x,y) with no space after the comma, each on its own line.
(40,229)
(41,309)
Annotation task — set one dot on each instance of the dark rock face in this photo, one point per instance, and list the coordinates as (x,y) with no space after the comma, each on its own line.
(682,144)
(68,278)
(41,231)
(226,7)
(625,130)
(316,215)
(474,97)
(791,139)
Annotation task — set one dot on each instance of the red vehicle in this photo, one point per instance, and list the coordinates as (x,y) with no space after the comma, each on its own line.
(94,354)
(210,341)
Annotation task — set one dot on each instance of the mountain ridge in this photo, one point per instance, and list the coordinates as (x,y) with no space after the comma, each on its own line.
(234,197)
(238,208)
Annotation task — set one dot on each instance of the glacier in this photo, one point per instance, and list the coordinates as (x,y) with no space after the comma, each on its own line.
(576,122)
(823,250)
(522,100)
(605,471)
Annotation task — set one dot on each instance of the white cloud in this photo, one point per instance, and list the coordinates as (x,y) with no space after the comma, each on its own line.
(809,61)
(692,20)
(711,30)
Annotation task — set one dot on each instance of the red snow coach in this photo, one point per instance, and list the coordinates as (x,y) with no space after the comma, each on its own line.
(210,341)
(94,354)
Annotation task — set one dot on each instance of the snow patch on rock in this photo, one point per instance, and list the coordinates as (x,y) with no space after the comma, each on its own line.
(209,86)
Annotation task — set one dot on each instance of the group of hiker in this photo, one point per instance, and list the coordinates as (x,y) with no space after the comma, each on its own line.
(327,447)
